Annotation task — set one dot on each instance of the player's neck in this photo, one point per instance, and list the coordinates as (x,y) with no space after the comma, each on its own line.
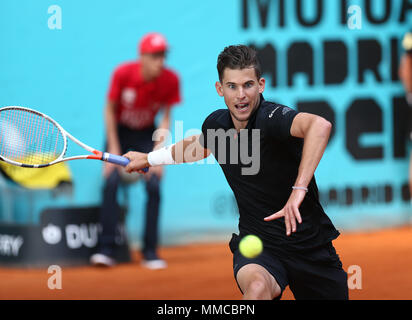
(239,125)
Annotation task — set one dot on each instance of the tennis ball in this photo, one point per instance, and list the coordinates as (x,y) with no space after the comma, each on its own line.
(250,246)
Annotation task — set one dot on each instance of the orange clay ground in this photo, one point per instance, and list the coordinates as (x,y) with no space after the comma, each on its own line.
(204,272)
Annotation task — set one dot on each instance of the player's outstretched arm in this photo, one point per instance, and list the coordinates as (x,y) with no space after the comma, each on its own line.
(189,150)
(315,131)
(184,151)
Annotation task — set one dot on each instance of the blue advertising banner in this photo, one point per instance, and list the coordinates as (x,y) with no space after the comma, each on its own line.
(335,58)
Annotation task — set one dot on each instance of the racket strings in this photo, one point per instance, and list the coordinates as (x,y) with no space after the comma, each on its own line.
(29,138)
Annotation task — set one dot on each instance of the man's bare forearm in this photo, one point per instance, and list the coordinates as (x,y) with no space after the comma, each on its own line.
(315,141)
(189,150)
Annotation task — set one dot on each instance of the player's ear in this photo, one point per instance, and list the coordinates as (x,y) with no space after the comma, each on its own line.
(219,88)
(262,84)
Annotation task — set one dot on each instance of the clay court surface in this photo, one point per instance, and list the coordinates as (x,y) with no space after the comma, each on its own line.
(204,272)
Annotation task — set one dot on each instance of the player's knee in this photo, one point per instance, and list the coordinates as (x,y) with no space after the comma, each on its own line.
(259,289)
(276,292)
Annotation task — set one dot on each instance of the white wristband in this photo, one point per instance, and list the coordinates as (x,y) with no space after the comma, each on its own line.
(300,188)
(161,157)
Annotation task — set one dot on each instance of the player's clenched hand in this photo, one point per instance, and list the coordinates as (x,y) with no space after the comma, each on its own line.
(138,161)
(290,211)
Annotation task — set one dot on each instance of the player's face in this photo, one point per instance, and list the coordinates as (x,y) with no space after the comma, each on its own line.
(241,90)
(152,64)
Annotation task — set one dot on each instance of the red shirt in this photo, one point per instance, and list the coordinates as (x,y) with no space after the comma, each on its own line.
(139,101)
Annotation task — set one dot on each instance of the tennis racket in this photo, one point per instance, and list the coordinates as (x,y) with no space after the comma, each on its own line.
(31,139)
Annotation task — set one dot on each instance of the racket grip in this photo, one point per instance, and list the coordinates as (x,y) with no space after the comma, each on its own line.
(123,161)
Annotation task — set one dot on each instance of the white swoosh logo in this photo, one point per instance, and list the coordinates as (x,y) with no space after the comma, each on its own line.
(273,112)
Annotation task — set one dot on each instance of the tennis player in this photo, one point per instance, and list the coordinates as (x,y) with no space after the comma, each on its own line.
(279,201)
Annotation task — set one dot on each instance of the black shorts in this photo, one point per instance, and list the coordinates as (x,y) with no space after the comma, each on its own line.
(315,274)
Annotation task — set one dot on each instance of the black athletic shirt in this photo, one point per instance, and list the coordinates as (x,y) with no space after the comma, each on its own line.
(262,194)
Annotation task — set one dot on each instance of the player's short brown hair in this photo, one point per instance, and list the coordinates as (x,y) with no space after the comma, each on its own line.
(238,57)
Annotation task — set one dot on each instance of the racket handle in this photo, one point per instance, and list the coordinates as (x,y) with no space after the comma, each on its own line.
(123,161)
